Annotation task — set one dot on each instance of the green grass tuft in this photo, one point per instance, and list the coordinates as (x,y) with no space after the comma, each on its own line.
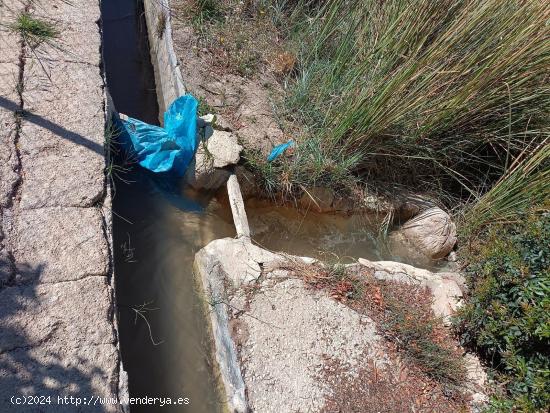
(524,186)
(35,31)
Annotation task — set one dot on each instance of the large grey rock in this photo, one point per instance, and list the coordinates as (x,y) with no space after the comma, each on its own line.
(220,150)
(239,259)
(69,314)
(223,149)
(432,232)
(59,244)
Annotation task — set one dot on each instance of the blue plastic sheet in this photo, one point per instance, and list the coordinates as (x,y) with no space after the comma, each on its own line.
(279,150)
(168,149)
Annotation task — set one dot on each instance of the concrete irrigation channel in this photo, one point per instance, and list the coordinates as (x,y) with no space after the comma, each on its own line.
(119,286)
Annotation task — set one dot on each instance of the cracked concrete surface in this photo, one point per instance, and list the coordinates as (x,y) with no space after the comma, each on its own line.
(57,334)
(274,337)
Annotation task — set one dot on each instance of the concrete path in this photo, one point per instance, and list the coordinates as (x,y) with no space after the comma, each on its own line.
(57,335)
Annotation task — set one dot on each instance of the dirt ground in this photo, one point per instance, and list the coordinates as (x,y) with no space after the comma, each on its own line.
(307,339)
(232,69)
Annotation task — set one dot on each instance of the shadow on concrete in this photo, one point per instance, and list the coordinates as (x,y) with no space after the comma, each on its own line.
(52,127)
(37,369)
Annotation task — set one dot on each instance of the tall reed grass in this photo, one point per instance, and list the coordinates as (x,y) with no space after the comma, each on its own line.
(443,94)
(525,187)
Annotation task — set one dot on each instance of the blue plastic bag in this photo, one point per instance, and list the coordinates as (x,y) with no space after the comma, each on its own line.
(279,150)
(168,149)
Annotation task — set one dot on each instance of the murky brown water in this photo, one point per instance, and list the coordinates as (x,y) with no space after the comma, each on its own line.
(329,237)
(166,351)
(156,232)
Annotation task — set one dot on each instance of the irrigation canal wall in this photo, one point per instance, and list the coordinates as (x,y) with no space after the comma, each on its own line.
(58,331)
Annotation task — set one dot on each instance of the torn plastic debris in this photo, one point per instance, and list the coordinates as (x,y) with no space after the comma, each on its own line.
(168,149)
(279,150)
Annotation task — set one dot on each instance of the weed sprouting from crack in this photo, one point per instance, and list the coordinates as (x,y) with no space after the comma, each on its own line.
(114,169)
(34,31)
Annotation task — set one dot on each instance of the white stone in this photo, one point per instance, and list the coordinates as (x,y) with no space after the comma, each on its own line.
(220,150)
(432,232)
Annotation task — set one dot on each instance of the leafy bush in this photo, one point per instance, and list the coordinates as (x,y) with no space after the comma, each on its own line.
(507,314)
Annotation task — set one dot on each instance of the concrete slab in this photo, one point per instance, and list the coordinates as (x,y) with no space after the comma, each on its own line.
(65,101)
(73,11)
(8,156)
(56,309)
(290,334)
(10,9)
(85,372)
(278,337)
(62,179)
(283,332)
(9,77)
(77,42)
(59,244)
(68,315)
(6,268)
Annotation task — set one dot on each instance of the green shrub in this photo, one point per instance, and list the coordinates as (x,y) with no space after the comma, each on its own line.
(507,313)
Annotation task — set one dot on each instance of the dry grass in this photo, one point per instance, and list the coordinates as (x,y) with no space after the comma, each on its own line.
(426,373)
(242,36)
(402,312)
(376,389)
